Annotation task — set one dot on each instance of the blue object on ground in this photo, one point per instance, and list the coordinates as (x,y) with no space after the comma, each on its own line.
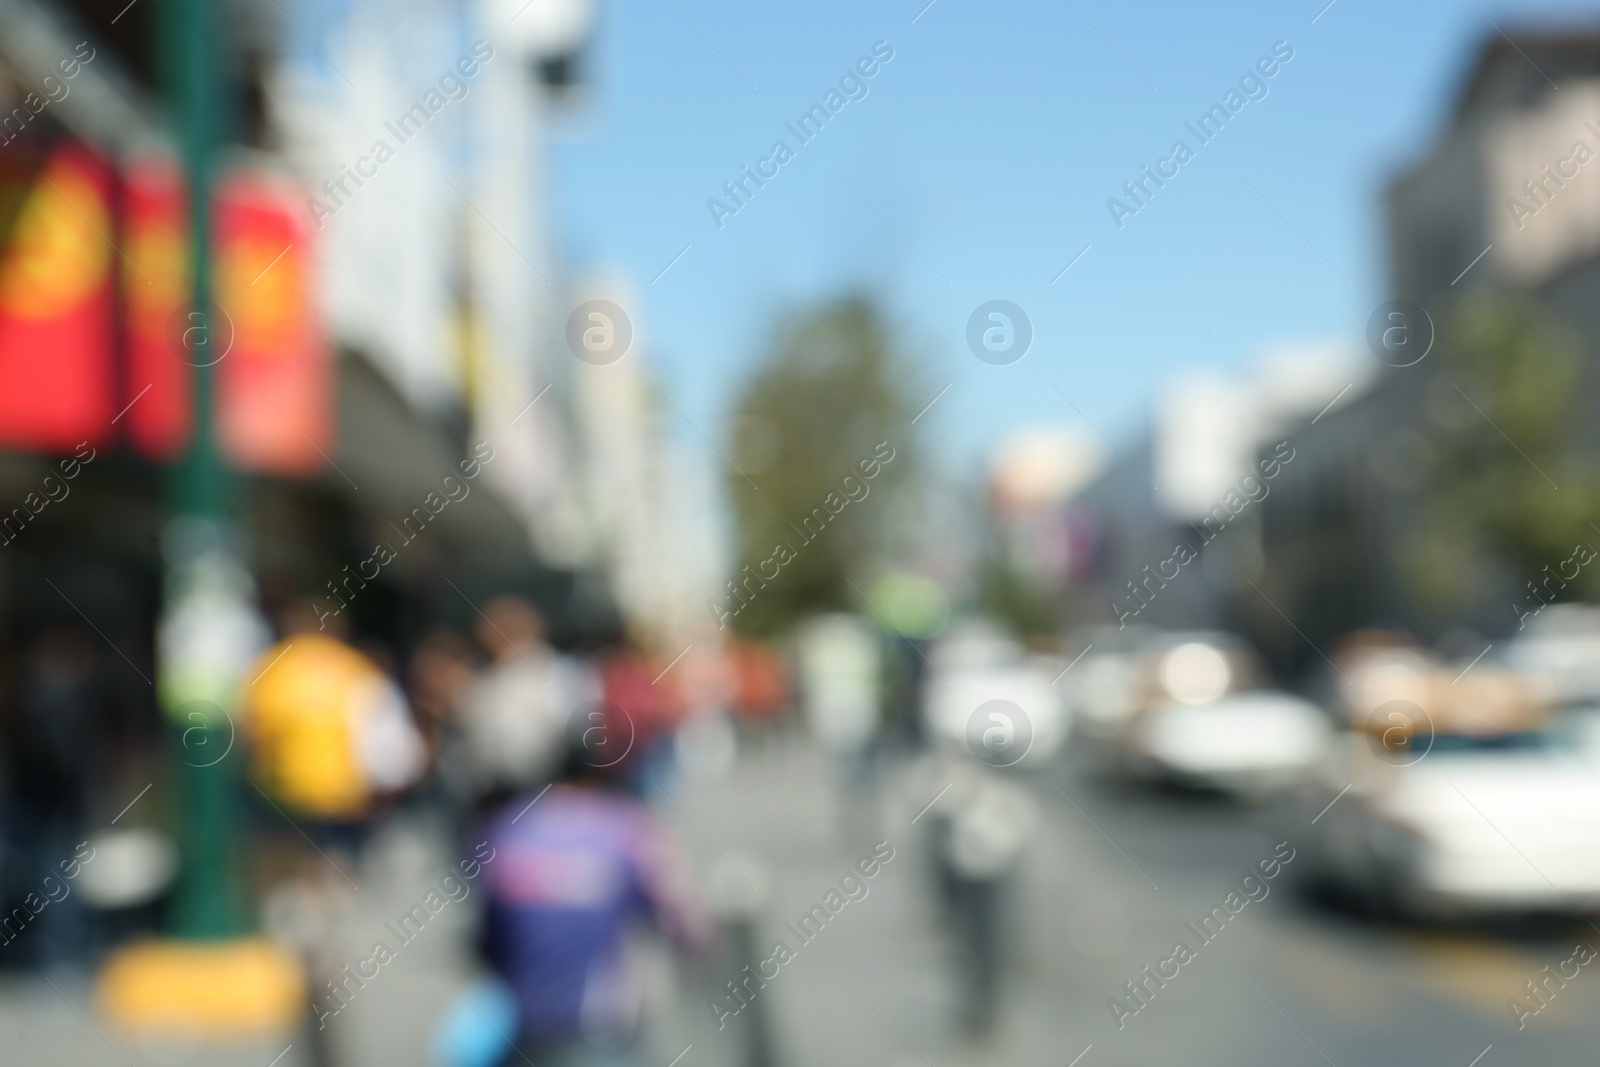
(476,1030)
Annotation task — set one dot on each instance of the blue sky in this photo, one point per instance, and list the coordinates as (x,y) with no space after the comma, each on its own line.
(990,143)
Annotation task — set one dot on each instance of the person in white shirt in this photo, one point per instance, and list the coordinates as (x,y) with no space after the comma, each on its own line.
(514,715)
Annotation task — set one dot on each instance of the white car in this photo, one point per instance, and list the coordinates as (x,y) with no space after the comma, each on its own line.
(1201,724)
(990,698)
(1561,648)
(1475,826)
(1102,691)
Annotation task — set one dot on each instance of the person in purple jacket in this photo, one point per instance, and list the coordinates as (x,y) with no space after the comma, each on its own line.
(579,872)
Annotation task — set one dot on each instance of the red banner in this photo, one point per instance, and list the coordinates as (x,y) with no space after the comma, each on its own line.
(274,395)
(155,282)
(56,384)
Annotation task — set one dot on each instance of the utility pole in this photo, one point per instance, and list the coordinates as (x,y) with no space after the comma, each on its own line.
(209,628)
(211,978)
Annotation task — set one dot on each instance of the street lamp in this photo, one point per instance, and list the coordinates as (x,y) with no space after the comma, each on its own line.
(212,978)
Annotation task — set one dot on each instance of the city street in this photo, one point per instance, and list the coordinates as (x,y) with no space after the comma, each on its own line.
(682,449)
(1113,877)
(1326,985)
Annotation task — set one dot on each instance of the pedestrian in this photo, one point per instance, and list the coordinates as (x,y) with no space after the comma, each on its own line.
(330,738)
(330,733)
(981,836)
(760,683)
(441,671)
(641,708)
(576,871)
(514,715)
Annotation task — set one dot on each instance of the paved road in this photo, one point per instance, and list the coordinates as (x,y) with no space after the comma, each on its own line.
(1109,885)
(1115,875)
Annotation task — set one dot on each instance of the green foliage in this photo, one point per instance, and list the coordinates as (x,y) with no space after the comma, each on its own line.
(1505,430)
(1026,607)
(829,395)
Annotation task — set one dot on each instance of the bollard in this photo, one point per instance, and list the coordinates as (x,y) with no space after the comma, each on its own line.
(739,898)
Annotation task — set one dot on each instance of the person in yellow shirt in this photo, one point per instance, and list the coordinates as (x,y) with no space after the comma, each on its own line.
(330,734)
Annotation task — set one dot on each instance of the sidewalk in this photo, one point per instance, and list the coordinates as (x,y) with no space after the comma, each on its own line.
(872,986)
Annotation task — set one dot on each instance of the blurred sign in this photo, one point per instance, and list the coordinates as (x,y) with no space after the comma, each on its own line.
(55,298)
(261,333)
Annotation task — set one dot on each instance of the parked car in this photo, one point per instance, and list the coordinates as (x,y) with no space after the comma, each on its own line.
(1466,796)
(1482,824)
(1202,715)
(1102,688)
(1561,649)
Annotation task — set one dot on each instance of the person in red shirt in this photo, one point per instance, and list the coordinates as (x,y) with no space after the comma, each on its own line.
(640,703)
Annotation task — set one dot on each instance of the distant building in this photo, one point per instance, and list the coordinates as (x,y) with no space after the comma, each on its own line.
(1517,172)
(1033,472)
(647,505)
(1507,199)
(1176,515)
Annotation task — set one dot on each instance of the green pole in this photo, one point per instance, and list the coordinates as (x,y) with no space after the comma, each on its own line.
(208,901)
(204,489)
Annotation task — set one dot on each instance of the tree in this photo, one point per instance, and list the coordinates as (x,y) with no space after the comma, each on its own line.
(1506,411)
(822,440)
(1028,608)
